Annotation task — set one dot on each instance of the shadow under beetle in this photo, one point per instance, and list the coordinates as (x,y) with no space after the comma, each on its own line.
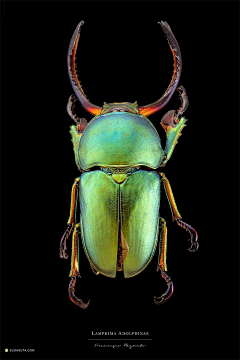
(119,154)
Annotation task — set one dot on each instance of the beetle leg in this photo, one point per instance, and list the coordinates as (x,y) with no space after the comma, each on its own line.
(162,264)
(71,291)
(194,236)
(176,215)
(71,221)
(74,273)
(63,247)
(161,300)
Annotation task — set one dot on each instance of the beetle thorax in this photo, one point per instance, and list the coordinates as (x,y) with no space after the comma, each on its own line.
(119,140)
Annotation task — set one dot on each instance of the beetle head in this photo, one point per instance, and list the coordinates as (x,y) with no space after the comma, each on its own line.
(120,107)
(171,122)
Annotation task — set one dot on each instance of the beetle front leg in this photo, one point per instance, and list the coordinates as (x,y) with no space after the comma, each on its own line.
(74,273)
(71,221)
(176,215)
(162,265)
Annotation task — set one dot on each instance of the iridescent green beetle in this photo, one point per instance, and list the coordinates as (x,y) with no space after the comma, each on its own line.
(119,154)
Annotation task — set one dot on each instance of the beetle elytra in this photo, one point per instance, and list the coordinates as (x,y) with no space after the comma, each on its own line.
(119,155)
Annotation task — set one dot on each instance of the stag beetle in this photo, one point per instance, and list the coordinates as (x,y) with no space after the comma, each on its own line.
(119,154)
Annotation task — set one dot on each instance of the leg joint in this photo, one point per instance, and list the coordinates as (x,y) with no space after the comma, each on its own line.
(162,222)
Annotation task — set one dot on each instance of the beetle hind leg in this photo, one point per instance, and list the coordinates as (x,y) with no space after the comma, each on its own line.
(161,300)
(71,291)
(163,266)
(74,273)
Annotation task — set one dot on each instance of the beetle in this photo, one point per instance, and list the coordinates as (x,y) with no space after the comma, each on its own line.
(119,155)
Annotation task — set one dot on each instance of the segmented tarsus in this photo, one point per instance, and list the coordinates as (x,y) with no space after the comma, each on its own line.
(161,300)
(71,291)
(63,247)
(194,236)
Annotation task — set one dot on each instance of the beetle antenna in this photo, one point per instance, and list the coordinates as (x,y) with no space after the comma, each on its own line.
(184,101)
(70,106)
(81,122)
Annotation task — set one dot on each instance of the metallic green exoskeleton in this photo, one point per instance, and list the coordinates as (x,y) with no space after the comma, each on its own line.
(119,154)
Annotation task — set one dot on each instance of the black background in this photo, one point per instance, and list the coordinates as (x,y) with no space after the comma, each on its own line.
(122,56)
